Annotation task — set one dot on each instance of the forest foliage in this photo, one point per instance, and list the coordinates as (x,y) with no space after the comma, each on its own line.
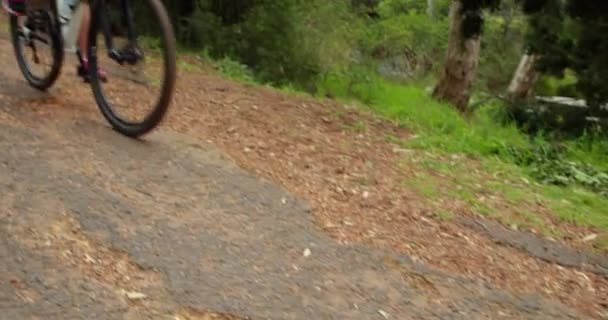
(387,54)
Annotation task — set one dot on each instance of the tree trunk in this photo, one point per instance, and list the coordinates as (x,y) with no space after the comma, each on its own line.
(525,77)
(456,80)
(430,8)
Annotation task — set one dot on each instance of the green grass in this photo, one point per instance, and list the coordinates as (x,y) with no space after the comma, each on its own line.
(235,70)
(444,215)
(441,133)
(438,126)
(187,66)
(502,191)
(444,140)
(357,127)
(427,186)
(441,166)
(578,205)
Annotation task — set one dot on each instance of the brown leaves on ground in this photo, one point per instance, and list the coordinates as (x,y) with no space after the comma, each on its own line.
(340,159)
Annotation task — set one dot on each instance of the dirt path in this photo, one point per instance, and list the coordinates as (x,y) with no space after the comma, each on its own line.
(94,225)
(88,214)
(353,180)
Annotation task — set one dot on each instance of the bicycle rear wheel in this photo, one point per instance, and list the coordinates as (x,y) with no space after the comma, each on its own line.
(37,35)
(141,73)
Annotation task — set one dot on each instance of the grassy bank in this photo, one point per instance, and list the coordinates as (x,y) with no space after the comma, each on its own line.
(568,177)
(488,165)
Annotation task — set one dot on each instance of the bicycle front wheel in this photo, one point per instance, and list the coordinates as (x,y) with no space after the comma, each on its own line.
(132,67)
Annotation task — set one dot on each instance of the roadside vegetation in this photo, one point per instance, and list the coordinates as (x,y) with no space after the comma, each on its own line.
(473,135)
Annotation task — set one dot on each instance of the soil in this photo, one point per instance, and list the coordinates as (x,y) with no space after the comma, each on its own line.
(175,217)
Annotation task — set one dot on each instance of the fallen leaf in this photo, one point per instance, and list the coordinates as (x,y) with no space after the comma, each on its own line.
(307,253)
(88,259)
(590,237)
(402,151)
(384,314)
(133,295)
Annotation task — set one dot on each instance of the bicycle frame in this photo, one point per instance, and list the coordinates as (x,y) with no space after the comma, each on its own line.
(45,17)
(99,17)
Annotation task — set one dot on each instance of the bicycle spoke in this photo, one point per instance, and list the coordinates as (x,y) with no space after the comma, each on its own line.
(38,52)
(141,79)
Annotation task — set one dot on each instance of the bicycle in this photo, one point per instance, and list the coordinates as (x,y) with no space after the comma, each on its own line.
(41,22)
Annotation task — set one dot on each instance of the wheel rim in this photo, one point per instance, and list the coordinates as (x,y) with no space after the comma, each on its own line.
(34,44)
(135,94)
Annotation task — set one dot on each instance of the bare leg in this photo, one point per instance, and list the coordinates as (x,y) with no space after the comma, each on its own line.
(83,40)
(83,36)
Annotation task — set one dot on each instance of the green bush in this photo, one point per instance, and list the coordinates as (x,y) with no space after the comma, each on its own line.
(549,164)
(338,48)
(501,50)
(549,85)
(409,36)
(234,69)
(283,42)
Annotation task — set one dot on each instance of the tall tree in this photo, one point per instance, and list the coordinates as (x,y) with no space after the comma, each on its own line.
(461,63)
(430,8)
(462,58)
(525,77)
(589,54)
(466,25)
(544,37)
(572,34)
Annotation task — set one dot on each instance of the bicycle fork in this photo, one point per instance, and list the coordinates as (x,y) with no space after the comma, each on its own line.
(128,54)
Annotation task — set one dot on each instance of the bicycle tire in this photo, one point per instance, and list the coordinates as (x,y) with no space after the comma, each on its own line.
(46,82)
(159,111)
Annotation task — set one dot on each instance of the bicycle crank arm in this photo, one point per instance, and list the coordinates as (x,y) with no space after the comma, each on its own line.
(128,54)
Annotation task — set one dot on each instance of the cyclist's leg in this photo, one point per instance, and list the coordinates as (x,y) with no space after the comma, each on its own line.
(83,35)
(14,7)
(83,40)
